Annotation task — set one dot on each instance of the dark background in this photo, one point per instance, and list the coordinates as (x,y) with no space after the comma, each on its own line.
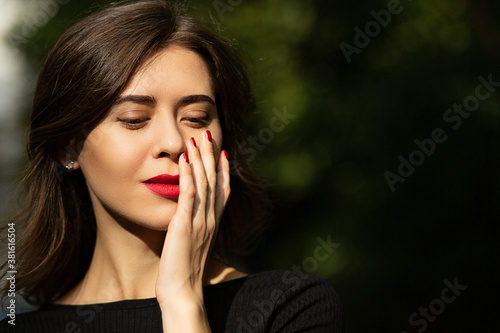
(352,120)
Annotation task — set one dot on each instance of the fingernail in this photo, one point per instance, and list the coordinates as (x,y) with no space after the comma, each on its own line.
(225,154)
(193,142)
(209,136)
(186,158)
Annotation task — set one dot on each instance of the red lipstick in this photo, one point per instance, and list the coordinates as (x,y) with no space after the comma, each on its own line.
(165,185)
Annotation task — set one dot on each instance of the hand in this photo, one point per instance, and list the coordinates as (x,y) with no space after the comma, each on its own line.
(204,191)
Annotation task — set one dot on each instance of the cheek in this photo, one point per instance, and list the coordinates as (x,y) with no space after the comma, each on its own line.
(106,159)
(218,146)
(217,139)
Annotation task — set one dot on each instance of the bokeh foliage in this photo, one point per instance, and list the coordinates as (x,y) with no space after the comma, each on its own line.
(326,168)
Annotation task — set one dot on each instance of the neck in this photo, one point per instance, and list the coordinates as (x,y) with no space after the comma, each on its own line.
(125,265)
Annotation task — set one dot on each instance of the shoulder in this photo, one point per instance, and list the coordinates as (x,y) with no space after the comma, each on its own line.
(285,300)
(120,316)
(283,285)
(37,320)
(6,325)
(17,322)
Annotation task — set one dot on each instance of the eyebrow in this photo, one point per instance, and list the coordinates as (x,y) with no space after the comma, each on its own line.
(142,99)
(149,100)
(194,99)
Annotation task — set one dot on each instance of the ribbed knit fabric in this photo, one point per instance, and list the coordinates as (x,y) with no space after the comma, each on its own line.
(272,301)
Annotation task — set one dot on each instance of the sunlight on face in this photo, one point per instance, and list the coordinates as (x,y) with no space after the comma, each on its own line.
(168,101)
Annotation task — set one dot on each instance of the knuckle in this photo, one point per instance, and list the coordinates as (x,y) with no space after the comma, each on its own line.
(190,193)
(181,228)
(211,227)
(208,228)
(212,179)
(204,184)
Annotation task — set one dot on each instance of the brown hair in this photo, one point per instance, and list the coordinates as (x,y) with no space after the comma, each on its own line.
(84,73)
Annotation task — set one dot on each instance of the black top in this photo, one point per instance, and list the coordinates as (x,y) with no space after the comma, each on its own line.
(273,301)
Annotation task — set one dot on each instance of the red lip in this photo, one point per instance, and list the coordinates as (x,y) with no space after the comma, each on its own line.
(164,178)
(165,185)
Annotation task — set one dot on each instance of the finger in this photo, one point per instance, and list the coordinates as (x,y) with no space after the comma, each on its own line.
(187,191)
(223,190)
(177,243)
(207,156)
(200,181)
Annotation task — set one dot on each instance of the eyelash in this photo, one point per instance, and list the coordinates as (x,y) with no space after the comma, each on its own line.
(134,124)
(198,121)
(137,124)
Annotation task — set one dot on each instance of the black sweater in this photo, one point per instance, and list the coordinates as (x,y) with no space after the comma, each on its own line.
(273,301)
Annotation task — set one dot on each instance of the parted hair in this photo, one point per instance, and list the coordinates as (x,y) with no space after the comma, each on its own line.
(82,76)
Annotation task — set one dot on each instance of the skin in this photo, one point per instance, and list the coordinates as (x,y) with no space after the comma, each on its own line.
(149,245)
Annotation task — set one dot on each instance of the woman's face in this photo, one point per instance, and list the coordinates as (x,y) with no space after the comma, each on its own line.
(168,101)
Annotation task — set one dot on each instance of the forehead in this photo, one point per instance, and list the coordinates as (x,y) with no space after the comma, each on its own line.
(173,70)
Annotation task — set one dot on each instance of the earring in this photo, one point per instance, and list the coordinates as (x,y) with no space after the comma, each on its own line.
(69,165)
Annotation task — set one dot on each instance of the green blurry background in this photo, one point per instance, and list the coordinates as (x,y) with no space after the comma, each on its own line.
(351,121)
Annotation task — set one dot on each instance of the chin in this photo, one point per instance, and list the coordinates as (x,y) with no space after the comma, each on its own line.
(152,218)
(158,223)
(156,226)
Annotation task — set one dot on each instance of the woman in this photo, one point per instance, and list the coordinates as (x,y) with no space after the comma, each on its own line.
(137,114)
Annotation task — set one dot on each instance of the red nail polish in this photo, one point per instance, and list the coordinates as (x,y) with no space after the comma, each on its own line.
(209,136)
(225,154)
(193,142)
(186,158)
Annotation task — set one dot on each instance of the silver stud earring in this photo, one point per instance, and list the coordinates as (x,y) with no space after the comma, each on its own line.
(70,165)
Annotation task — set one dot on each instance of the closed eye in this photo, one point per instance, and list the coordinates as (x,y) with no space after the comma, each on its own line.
(134,124)
(198,122)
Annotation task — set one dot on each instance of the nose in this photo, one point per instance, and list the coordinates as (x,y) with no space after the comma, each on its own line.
(169,141)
